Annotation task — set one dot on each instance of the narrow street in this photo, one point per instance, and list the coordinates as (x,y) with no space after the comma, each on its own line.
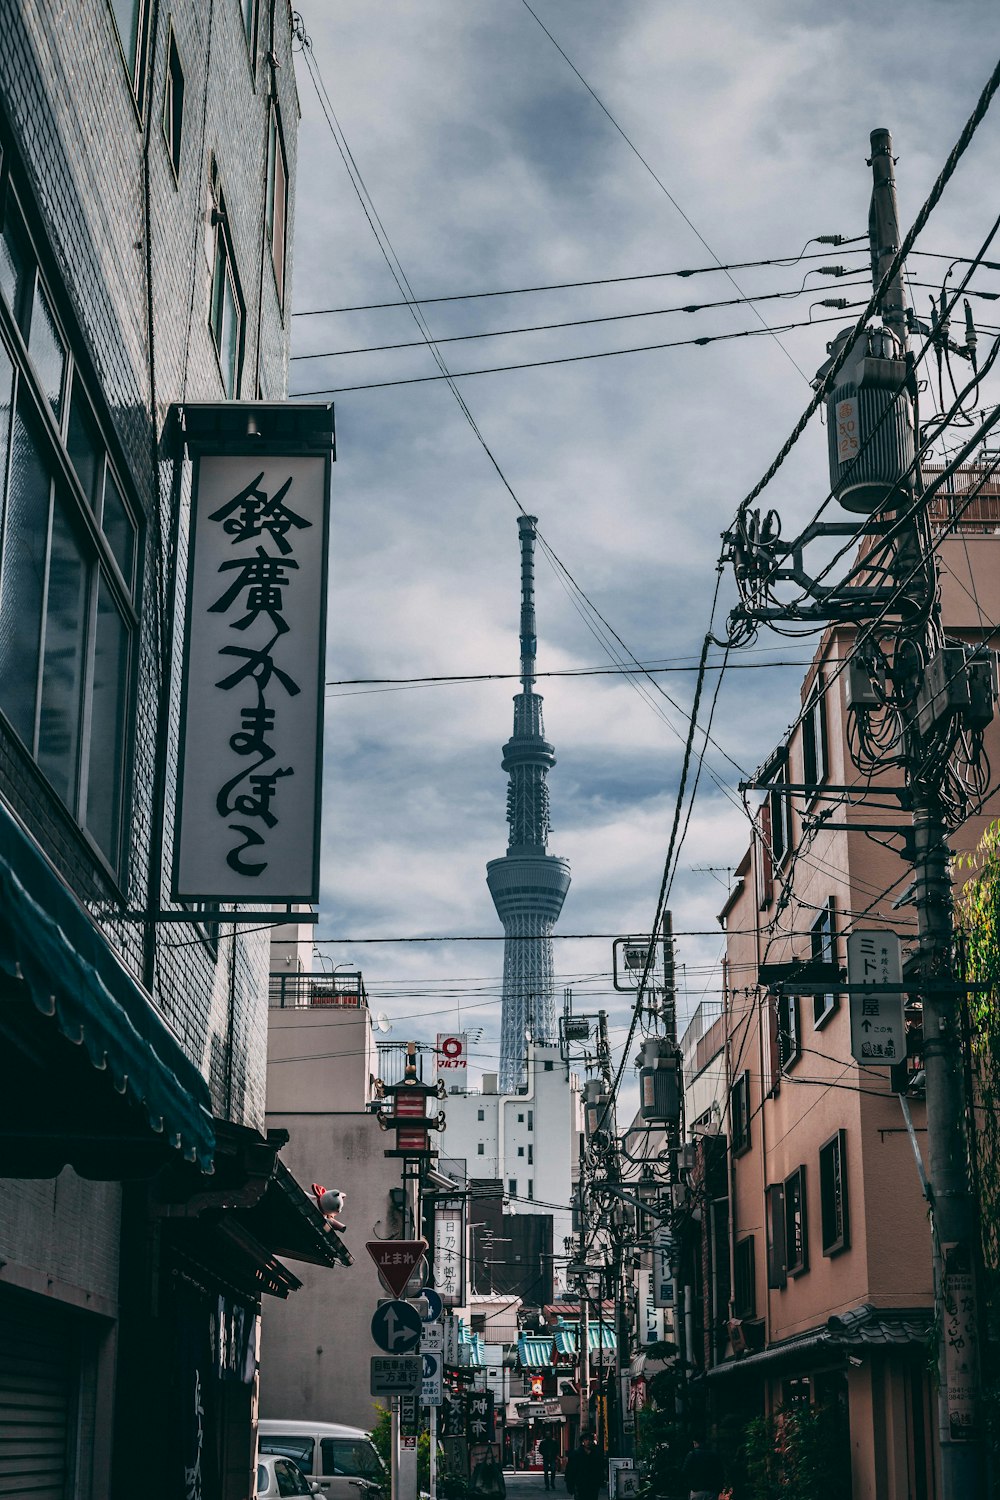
(527,1484)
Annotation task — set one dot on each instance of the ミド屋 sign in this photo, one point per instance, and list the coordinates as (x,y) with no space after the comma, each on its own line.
(878,1031)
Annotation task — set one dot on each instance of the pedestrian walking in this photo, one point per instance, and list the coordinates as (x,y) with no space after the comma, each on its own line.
(585,1470)
(549,1450)
(702,1472)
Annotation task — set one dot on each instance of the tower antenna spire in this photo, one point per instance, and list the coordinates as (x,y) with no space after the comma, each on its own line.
(526,526)
(528,885)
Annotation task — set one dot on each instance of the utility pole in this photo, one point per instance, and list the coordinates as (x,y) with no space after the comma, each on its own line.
(953,1210)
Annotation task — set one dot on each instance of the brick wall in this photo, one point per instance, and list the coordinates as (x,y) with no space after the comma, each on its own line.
(85,153)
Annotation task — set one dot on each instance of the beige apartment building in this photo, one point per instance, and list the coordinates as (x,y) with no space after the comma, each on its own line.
(830,1251)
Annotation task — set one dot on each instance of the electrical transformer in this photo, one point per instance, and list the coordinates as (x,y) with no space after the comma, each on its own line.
(659,1082)
(870,423)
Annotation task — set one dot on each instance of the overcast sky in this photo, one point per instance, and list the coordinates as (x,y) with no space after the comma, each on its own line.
(491,167)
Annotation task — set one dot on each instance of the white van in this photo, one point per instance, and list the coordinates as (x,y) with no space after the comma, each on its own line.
(342,1460)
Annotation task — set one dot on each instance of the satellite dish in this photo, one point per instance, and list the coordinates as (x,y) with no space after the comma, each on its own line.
(382,1023)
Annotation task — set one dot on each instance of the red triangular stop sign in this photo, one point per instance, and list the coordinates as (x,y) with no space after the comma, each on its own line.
(396,1261)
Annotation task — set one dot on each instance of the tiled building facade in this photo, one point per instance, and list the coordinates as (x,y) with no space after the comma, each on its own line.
(147,173)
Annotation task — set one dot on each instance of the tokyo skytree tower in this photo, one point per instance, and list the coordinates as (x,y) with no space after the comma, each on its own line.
(527,884)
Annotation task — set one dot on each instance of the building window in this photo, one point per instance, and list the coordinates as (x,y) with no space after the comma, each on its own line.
(480,1114)
(480,1149)
(512,1187)
(249,8)
(531,1188)
(531,1119)
(739,1114)
(796,1392)
(520,1150)
(173,104)
(780,806)
(226,309)
(823,949)
(277,201)
(814,740)
(745,1288)
(520,1119)
(789,1042)
(531,1155)
(834,1211)
(549,1065)
(68,552)
(130,19)
(796,1224)
(776,1253)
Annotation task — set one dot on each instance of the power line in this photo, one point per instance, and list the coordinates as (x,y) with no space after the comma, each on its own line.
(571,359)
(562,286)
(658,180)
(571,672)
(930,203)
(503,333)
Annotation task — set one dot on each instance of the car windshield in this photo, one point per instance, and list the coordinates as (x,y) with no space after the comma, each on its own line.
(354,1456)
(299,1448)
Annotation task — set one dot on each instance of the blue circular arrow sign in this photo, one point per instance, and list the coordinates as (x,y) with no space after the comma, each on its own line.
(396,1327)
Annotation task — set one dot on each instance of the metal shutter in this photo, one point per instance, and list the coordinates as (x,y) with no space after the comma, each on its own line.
(38,1383)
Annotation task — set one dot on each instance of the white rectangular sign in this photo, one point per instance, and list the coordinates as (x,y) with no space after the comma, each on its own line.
(878,1028)
(449,1255)
(452,1057)
(432,1339)
(664,1291)
(248,820)
(396,1374)
(432,1384)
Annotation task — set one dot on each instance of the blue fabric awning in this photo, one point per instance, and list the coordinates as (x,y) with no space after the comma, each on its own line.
(71,974)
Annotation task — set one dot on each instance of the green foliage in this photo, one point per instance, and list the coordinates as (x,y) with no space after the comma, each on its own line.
(799,1454)
(662,1445)
(977,922)
(382,1439)
(381,1433)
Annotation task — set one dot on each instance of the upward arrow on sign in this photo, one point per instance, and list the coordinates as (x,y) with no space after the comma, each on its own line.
(396,1261)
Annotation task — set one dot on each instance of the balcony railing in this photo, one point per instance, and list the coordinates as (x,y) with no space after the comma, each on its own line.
(341,991)
(952,505)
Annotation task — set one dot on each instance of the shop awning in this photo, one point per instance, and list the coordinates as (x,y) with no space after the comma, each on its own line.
(54,962)
(236,1229)
(866,1327)
(533,1353)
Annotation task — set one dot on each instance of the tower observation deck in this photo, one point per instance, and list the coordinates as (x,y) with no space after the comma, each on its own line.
(528,885)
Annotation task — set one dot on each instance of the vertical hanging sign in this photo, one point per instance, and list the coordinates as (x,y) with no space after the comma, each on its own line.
(449,1255)
(250,764)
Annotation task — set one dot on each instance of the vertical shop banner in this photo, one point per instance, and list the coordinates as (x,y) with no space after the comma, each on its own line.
(248,798)
(449,1255)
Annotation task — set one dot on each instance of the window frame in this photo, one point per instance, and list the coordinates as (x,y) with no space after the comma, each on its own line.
(223,258)
(250,26)
(276,154)
(135,70)
(796,1223)
(173,111)
(823,949)
(777,1254)
(739,1114)
(813,744)
(779,802)
(835,1215)
(789,1030)
(83,516)
(745,1278)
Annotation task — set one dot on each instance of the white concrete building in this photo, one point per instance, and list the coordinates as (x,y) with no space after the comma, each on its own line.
(528,1141)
